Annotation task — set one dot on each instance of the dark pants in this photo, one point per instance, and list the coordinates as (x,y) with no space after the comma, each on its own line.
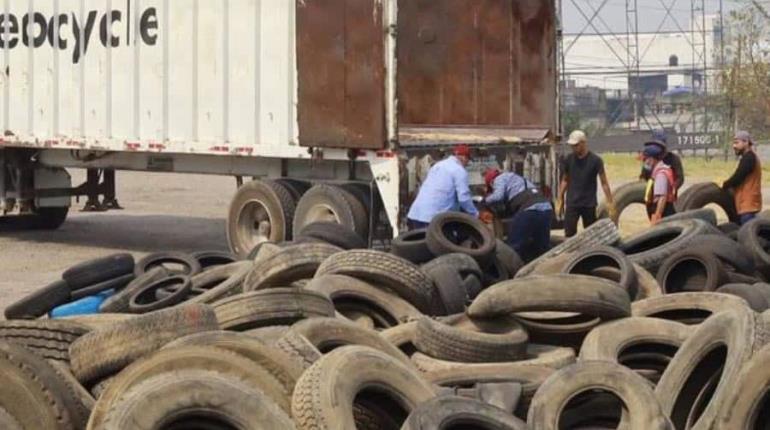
(572,215)
(529,234)
(415,225)
(747,217)
(667,211)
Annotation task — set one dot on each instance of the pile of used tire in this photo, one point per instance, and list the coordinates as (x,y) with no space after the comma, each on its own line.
(665,329)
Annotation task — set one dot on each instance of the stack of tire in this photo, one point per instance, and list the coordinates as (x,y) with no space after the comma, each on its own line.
(321,333)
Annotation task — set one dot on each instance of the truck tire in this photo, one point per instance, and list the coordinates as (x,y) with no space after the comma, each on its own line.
(468,236)
(464,263)
(757,300)
(400,276)
(686,308)
(591,262)
(554,357)
(443,341)
(48,218)
(623,196)
(718,348)
(561,293)
(650,247)
(118,302)
(508,258)
(260,211)
(704,214)
(602,232)
(641,407)
(211,259)
(274,306)
(103,352)
(39,302)
(381,304)
(323,398)
(700,195)
(189,264)
(449,411)
(296,187)
(178,397)
(333,234)
(287,265)
(219,282)
(49,339)
(754,236)
(412,246)
(691,270)
(450,285)
(729,251)
(648,285)
(327,203)
(98,270)
(746,408)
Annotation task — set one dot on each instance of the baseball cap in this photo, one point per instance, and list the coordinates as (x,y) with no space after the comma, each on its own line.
(576,137)
(652,150)
(743,135)
(462,150)
(490,175)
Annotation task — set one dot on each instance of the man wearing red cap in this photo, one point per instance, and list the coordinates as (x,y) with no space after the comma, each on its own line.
(446,189)
(531,210)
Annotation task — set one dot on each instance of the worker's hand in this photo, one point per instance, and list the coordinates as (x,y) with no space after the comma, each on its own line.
(655,219)
(612,211)
(477,199)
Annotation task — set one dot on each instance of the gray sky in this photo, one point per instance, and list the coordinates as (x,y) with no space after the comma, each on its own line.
(651,14)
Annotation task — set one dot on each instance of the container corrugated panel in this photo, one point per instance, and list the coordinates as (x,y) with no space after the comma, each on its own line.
(190,76)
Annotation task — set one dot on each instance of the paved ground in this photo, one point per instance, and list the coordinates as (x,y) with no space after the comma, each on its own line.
(163,212)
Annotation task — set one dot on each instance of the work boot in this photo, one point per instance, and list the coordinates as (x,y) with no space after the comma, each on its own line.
(111,204)
(25,207)
(93,206)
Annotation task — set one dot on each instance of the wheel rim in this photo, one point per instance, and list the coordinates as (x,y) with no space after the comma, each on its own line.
(254,224)
(322,213)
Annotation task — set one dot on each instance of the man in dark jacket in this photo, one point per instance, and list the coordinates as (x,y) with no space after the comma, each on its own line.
(669,158)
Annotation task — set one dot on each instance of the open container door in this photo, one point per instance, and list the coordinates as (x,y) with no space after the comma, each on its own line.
(475,71)
(341,74)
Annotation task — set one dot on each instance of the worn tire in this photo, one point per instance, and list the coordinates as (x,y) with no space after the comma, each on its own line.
(35,394)
(333,234)
(114,284)
(651,247)
(645,344)
(754,235)
(290,264)
(275,306)
(181,397)
(602,232)
(106,351)
(508,258)
(98,270)
(400,276)
(648,285)
(219,282)
(700,195)
(446,342)
(147,300)
(190,265)
(469,228)
(719,346)
(451,411)
(211,259)
(382,304)
(324,203)
(623,197)
(587,262)
(412,246)
(729,251)
(705,214)
(691,270)
(464,264)
(118,302)
(39,302)
(687,308)
(562,293)
(323,398)
(49,339)
(554,357)
(642,410)
(450,286)
(278,206)
(757,299)
(746,407)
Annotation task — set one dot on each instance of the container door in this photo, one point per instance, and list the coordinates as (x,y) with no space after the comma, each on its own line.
(477,67)
(341,71)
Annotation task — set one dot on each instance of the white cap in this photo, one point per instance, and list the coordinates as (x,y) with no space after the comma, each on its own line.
(576,137)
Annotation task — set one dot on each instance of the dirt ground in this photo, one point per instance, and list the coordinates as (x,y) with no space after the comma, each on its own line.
(163,212)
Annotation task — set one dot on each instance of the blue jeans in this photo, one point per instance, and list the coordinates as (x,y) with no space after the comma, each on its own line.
(415,225)
(529,234)
(747,217)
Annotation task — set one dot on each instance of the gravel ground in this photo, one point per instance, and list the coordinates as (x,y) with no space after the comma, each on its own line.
(163,212)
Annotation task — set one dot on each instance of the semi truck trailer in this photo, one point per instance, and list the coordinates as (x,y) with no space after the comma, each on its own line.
(322,110)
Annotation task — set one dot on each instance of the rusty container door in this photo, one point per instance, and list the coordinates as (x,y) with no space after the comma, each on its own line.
(341,69)
(476,63)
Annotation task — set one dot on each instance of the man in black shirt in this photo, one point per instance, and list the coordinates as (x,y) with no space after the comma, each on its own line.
(669,158)
(578,181)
